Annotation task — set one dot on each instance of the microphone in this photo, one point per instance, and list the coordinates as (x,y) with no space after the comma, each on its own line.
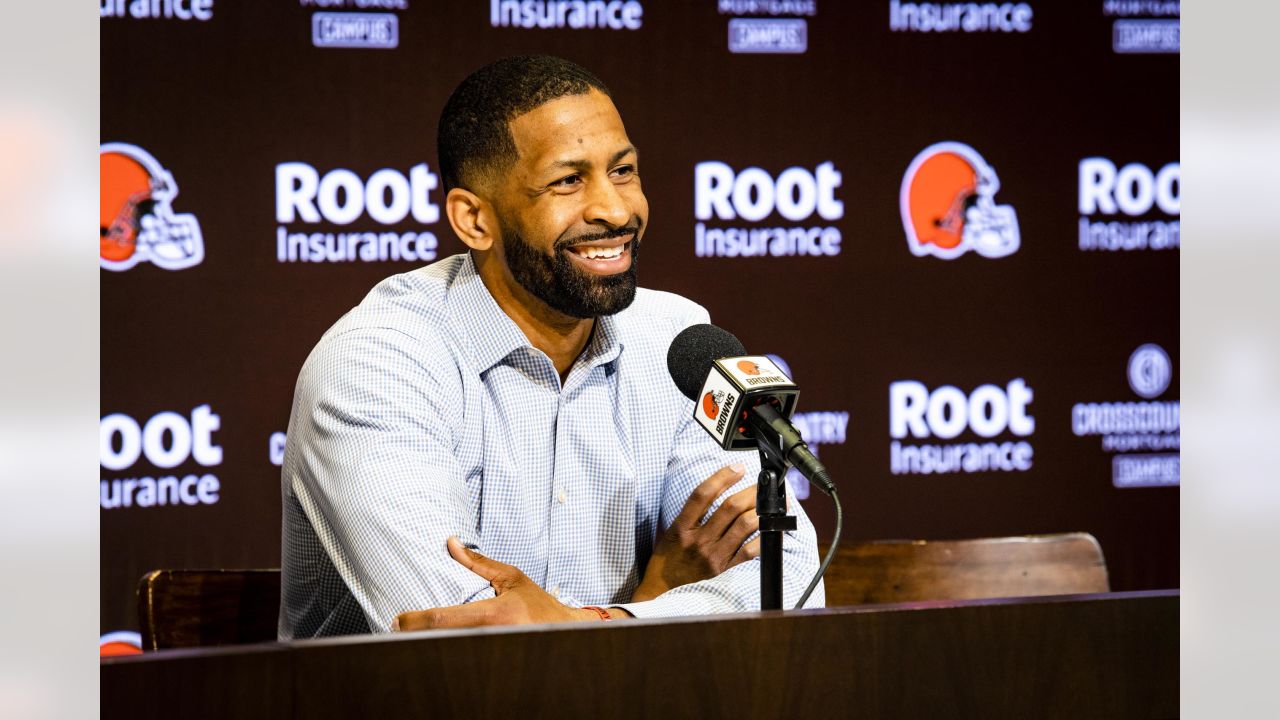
(743,401)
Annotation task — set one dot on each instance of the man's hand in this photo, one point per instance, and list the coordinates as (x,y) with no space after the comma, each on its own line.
(519,600)
(688,552)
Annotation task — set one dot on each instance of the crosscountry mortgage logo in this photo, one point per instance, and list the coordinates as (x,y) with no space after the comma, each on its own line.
(1145,436)
(1150,371)
(275,448)
(1146,36)
(948,205)
(768,35)
(136,218)
(817,427)
(1144,26)
(355,30)
(767,7)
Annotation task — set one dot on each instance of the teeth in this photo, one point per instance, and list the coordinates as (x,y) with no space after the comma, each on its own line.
(596,253)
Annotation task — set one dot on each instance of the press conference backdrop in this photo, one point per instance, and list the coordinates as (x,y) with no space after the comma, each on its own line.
(957,225)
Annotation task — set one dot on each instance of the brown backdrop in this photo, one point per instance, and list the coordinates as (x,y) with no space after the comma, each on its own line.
(219,103)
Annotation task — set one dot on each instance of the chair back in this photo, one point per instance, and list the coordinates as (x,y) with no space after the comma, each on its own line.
(891,571)
(201,608)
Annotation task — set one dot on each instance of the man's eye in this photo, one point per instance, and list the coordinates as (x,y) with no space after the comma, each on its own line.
(624,171)
(569,181)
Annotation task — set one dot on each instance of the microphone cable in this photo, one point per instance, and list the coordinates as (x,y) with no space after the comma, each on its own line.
(831,551)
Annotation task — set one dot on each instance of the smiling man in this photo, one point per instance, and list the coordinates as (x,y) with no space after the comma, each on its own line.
(494,438)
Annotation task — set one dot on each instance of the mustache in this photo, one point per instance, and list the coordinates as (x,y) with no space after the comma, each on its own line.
(632,228)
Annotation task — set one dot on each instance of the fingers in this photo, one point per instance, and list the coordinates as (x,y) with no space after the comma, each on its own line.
(743,526)
(743,501)
(455,616)
(705,494)
(746,552)
(470,559)
(500,575)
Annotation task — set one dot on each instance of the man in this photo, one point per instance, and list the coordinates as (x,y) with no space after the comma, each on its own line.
(494,438)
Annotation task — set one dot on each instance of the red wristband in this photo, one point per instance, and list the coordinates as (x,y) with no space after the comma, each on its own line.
(604,614)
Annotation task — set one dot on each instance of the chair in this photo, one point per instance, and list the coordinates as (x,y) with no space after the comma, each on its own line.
(892,571)
(201,608)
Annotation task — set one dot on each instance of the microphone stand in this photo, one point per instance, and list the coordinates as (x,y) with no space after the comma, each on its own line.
(771,505)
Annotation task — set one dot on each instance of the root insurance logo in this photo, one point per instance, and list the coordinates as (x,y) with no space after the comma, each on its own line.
(575,15)
(997,416)
(798,195)
(194,10)
(307,198)
(1143,436)
(1128,208)
(166,441)
(967,17)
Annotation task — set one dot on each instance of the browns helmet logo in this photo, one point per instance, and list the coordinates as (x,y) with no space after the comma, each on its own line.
(137,222)
(121,642)
(948,205)
(710,405)
(748,367)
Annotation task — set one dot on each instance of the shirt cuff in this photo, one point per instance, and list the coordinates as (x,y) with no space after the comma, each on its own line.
(661,606)
(732,591)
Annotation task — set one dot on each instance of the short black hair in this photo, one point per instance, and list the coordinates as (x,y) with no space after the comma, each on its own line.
(474,137)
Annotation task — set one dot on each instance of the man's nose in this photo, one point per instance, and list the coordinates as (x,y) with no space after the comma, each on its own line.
(607,206)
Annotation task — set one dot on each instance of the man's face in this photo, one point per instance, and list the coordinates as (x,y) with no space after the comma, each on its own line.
(571,211)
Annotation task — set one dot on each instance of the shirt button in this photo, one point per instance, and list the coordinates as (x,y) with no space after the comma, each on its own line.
(562,497)
(555,592)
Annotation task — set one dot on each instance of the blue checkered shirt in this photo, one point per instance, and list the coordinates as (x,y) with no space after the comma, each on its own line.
(425,412)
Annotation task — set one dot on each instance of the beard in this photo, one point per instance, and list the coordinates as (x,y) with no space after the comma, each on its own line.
(556,281)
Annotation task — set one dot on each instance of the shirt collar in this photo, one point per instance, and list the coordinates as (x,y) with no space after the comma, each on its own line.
(604,345)
(493,335)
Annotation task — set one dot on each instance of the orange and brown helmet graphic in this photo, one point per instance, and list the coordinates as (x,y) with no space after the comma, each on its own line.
(711,405)
(121,642)
(136,221)
(948,205)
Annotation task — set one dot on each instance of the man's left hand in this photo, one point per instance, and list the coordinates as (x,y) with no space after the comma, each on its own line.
(519,600)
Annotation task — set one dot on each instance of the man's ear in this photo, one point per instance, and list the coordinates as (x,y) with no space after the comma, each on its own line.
(470,218)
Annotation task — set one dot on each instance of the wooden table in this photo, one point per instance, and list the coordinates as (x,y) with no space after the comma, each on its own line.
(1112,655)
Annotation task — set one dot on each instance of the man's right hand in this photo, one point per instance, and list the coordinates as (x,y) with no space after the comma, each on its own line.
(688,551)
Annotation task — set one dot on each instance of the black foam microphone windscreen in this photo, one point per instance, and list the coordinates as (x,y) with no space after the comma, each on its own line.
(692,352)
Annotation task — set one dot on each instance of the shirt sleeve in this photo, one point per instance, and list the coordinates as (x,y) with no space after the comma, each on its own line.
(695,457)
(374,469)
